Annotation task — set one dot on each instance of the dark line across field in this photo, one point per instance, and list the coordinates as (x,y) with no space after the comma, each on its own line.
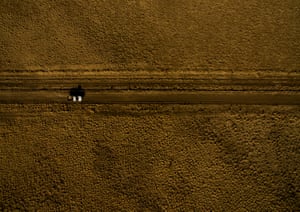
(155,97)
(151,88)
(143,84)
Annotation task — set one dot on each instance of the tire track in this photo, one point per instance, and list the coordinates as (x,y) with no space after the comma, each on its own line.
(148,88)
(152,97)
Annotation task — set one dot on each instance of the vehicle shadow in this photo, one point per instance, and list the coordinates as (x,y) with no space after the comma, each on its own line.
(76,94)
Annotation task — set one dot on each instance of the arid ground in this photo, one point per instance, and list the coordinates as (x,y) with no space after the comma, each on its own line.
(149,157)
(150,34)
(221,142)
(190,105)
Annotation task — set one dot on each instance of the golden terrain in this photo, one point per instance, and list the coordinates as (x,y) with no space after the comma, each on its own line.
(149,157)
(150,34)
(139,157)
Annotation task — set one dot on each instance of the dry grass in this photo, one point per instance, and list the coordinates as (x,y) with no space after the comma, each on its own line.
(150,34)
(149,157)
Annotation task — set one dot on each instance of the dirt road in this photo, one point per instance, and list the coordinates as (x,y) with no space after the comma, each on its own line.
(146,87)
(151,97)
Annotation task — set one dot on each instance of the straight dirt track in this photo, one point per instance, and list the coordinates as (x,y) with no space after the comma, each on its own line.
(155,98)
(152,88)
(255,88)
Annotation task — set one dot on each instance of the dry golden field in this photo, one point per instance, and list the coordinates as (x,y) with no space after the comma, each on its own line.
(70,157)
(206,113)
(150,34)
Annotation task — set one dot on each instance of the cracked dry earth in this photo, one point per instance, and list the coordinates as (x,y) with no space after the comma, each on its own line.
(68,157)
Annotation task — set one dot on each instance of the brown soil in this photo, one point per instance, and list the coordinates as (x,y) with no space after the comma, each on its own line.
(132,157)
(150,34)
(142,157)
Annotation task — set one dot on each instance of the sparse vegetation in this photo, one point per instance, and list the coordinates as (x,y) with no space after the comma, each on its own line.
(149,157)
(88,157)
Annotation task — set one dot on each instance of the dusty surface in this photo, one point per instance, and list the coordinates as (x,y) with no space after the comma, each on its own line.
(150,34)
(107,87)
(139,157)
